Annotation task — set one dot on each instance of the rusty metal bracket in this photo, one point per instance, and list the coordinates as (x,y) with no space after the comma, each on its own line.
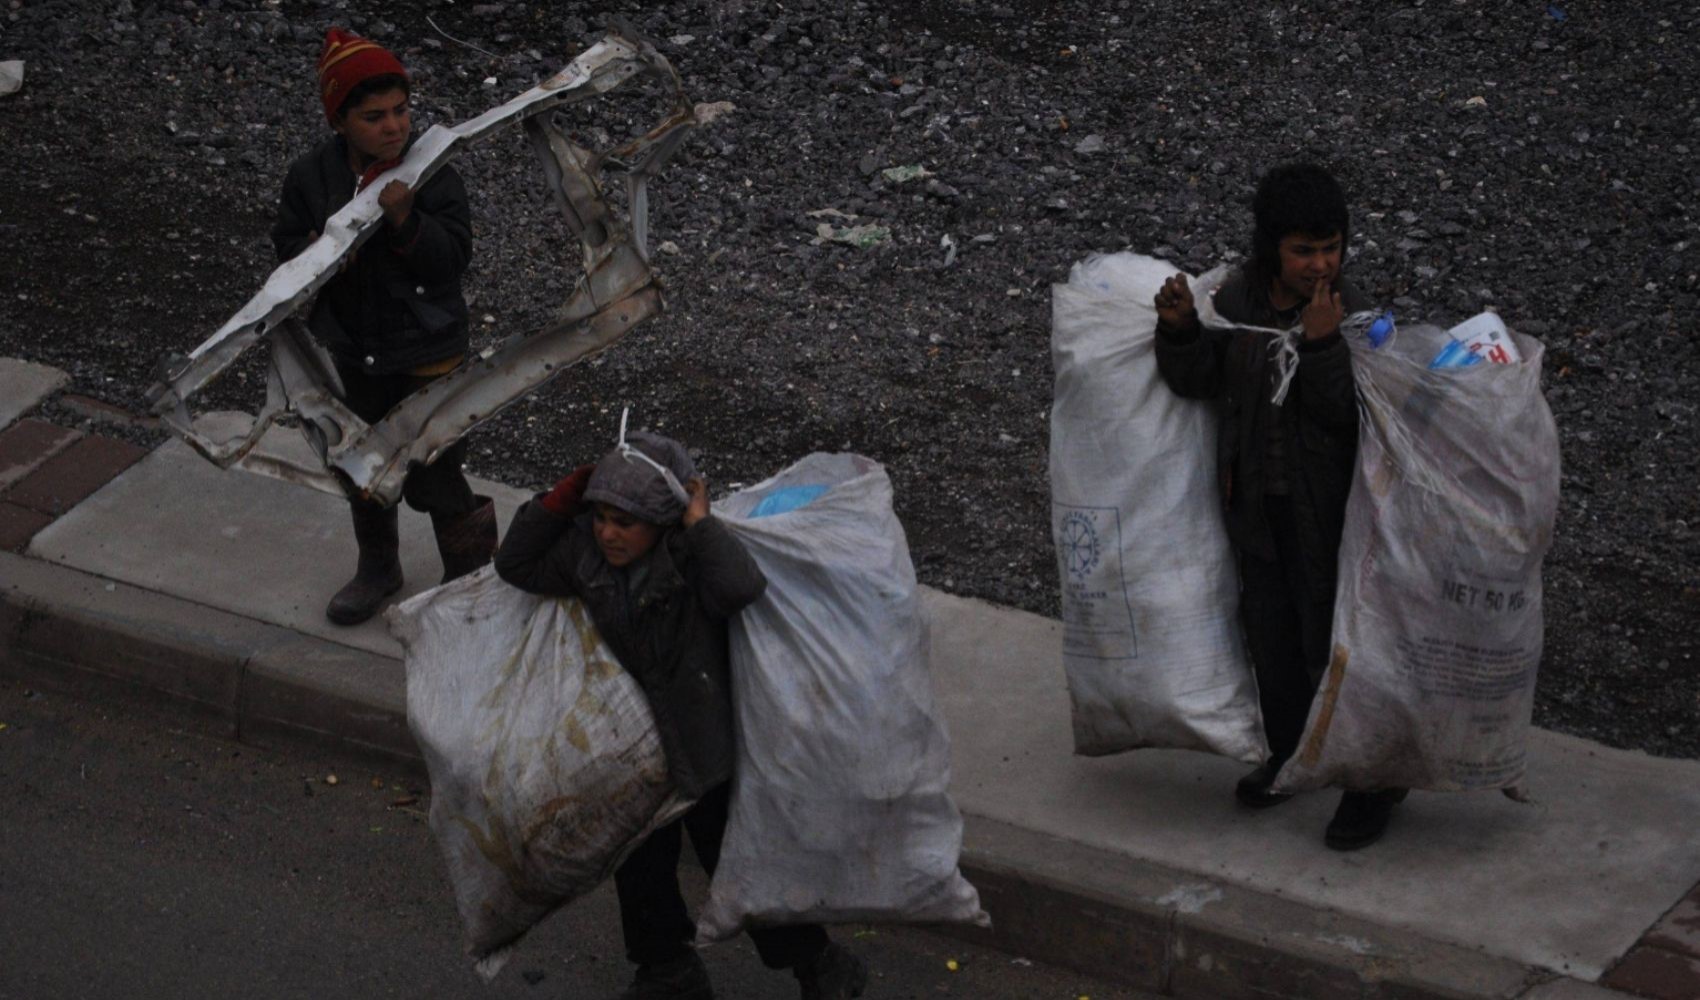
(617,291)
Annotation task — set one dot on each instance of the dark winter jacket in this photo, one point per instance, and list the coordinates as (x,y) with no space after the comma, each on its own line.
(670,633)
(1318,420)
(398,304)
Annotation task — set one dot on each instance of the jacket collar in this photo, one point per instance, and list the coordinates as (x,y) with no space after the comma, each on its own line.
(334,164)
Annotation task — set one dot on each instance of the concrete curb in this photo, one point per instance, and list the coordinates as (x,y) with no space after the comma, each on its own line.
(1054,900)
(73,632)
(1076,906)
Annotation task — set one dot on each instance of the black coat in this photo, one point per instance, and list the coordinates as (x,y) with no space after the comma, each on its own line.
(670,634)
(1318,421)
(398,305)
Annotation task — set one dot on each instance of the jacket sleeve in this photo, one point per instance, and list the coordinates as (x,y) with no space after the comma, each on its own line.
(721,572)
(1328,394)
(435,243)
(1191,360)
(537,554)
(295,228)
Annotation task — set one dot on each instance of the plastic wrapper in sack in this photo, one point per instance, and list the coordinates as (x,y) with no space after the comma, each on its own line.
(1482,338)
(546,770)
(1437,619)
(1150,593)
(840,810)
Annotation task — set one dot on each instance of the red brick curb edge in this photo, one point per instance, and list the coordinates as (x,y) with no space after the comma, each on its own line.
(1665,963)
(45,470)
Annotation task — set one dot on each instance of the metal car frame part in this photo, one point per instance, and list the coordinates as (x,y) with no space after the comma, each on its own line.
(616,292)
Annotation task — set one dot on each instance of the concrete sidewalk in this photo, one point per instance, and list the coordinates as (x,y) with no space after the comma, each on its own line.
(156,575)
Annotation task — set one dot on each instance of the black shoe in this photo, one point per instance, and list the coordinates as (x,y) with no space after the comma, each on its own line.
(1253,790)
(378,574)
(1362,818)
(834,974)
(684,978)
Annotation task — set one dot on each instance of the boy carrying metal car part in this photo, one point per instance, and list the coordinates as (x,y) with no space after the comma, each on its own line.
(393,318)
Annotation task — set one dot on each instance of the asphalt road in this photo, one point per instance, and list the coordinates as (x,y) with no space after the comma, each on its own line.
(140,859)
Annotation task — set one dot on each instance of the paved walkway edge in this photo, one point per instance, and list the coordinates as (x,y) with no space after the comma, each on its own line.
(73,632)
(1137,923)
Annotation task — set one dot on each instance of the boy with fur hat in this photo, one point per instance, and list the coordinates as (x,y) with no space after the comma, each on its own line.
(1285,467)
(393,317)
(634,539)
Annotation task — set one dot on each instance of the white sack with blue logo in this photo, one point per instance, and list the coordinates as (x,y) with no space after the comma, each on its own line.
(1150,593)
(840,806)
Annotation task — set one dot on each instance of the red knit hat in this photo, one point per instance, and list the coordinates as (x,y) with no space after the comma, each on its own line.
(346,62)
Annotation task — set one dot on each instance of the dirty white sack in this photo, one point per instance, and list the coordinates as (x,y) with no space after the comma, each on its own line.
(1150,593)
(11,76)
(546,770)
(1437,617)
(840,810)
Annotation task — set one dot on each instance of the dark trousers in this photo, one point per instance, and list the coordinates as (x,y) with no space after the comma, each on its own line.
(1287,610)
(652,910)
(439,488)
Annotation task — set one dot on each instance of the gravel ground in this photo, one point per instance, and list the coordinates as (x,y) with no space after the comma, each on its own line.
(1530,158)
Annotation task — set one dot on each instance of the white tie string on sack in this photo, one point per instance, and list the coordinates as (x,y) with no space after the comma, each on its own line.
(1286,350)
(1284,345)
(628,453)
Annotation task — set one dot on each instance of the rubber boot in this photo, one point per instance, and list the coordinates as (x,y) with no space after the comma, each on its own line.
(684,978)
(466,541)
(1256,791)
(378,574)
(834,974)
(1361,818)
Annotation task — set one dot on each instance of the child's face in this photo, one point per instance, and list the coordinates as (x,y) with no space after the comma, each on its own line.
(378,126)
(622,537)
(1307,258)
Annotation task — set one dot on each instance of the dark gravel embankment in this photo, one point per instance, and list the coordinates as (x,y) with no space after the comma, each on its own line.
(1496,154)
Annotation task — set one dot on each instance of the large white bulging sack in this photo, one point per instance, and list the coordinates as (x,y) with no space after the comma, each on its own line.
(546,770)
(1437,618)
(840,810)
(1150,593)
